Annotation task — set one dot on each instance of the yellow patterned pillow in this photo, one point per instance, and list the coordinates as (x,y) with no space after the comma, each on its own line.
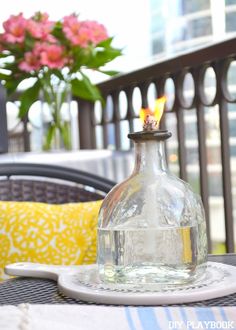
(45,233)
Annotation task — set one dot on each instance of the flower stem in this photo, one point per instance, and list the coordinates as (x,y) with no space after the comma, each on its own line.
(55,95)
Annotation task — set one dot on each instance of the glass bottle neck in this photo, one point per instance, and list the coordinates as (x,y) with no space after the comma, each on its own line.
(150,157)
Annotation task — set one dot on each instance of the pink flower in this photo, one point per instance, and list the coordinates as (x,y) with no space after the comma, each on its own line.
(51,55)
(15,29)
(83,37)
(70,26)
(31,62)
(71,23)
(97,30)
(44,54)
(40,27)
(83,33)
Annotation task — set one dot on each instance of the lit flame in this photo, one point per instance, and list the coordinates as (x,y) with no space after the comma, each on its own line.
(151,119)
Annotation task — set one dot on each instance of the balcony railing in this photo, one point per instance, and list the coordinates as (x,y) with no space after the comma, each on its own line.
(200,93)
(197,81)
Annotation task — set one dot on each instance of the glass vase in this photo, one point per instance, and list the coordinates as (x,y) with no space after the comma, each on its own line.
(152,226)
(57,119)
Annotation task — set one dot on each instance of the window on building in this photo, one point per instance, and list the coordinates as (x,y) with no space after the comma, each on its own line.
(215,183)
(190,6)
(232,107)
(232,127)
(157,24)
(230,2)
(198,27)
(191,130)
(233,151)
(192,155)
(230,20)
(158,45)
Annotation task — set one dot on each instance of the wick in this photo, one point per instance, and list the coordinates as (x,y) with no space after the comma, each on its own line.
(150,123)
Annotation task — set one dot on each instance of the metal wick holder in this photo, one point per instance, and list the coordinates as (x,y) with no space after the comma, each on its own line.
(157,135)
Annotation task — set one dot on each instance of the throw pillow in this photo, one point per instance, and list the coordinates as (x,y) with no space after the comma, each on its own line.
(53,234)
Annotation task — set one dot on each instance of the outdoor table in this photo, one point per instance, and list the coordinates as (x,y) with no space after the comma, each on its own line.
(43,291)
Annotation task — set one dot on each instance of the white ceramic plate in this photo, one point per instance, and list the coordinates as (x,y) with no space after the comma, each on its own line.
(83,283)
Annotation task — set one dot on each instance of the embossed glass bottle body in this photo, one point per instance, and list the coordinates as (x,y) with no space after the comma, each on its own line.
(151,226)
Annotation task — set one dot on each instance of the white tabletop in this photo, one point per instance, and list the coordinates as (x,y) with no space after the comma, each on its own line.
(114,165)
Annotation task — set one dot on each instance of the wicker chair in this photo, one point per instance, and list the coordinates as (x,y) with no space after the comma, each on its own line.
(50,184)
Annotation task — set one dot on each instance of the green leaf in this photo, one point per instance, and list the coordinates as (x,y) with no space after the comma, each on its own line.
(81,57)
(85,89)
(3,55)
(10,66)
(49,137)
(11,85)
(58,74)
(65,133)
(101,57)
(28,97)
(47,97)
(105,43)
(59,34)
(4,76)
(109,73)
(29,41)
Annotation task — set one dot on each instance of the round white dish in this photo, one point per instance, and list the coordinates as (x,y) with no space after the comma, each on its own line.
(83,283)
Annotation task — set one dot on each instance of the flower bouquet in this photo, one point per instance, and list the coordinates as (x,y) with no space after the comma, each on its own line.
(57,55)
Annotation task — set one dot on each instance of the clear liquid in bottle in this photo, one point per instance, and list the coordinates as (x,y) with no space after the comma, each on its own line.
(148,255)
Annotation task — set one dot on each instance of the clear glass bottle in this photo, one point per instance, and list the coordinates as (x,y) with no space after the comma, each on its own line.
(151,227)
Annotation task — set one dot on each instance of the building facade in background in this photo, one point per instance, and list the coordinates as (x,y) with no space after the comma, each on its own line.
(181,26)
